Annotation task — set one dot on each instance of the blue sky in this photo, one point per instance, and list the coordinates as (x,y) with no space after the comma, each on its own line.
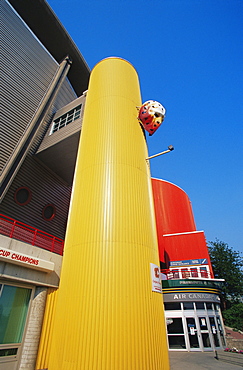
(188,55)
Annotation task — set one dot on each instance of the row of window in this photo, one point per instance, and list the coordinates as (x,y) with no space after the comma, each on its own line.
(23,196)
(192,306)
(66,118)
(185,273)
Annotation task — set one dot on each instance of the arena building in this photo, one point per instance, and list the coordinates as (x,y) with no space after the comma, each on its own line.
(190,291)
(44,84)
(43,80)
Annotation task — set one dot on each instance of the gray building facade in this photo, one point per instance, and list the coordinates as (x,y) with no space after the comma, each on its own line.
(43,79)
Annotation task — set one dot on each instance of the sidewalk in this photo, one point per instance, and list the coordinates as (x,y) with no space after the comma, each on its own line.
(198,361)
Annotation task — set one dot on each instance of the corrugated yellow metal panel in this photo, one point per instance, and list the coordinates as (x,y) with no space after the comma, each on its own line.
(46,333)
(107,316)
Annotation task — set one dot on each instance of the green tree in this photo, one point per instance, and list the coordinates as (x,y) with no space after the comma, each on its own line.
(227,264)
(233,317)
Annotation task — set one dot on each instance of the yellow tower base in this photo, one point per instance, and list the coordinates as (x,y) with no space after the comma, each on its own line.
(107,317)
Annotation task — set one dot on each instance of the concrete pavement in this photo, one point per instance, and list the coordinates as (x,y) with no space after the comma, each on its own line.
(198,361)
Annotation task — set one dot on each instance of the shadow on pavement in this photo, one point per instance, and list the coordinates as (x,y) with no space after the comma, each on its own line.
(198,361)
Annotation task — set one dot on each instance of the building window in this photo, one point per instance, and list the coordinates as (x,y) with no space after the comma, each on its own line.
(49,212)
(175,333)
(14,304)
(194,272)
(22,195)
(173,274)
(192,332)
(200,306)
(185,273)
(204,272)
(66,118)
(172,306)
(209,306)
(188,306)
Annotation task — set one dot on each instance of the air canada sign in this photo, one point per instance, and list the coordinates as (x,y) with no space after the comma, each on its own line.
(196,297)
(10,256)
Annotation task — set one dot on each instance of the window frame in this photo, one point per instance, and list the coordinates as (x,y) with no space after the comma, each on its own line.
(53,214)
(29,195)
(17,346)
(66,118)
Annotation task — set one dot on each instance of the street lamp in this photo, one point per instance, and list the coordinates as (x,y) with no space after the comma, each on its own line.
(170,148)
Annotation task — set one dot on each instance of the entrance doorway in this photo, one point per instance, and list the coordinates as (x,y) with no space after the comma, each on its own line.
(194,326)
(206,339)
(192,334)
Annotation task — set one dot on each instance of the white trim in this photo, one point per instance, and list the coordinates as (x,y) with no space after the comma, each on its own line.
(169,182)
(185,233)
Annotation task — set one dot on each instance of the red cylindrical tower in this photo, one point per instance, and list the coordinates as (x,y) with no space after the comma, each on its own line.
(173,208)
(178,238)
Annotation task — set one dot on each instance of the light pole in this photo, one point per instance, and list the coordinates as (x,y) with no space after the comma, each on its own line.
(170,148)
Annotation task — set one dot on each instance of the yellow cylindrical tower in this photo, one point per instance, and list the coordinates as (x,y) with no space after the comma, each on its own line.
(107,316)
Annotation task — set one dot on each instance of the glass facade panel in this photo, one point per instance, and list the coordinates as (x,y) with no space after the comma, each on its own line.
(220,330)
(172,306)
(175,326)
(203,272)
(185,274)
(209,306)
(204,332)
(197,326)
(177,342)
(175,331)
(66,118)
(188,306)
(200,305)
(194,272)
(217,307)
(8,352)
(175,274)
(214,331)
(192,332)
(14,303)
(206,340)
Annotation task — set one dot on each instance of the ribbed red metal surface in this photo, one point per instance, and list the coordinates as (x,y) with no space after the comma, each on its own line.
(172,208)
(173,212)
(178,239)
(189,246)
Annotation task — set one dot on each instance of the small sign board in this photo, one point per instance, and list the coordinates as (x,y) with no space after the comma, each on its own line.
(10,256)
(200,261)
(155,278)
(192,330)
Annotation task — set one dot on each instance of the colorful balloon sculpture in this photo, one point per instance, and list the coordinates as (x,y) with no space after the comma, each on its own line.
(151,115)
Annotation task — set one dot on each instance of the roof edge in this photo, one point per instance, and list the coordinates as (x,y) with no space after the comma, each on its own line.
(44,23)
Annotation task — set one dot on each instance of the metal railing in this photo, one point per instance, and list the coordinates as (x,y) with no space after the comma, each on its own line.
(28,234)
(186,274)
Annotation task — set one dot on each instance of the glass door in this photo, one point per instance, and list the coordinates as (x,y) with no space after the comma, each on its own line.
(221,332)
(175,332)
(205,335)
(214,331)
(192,331)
